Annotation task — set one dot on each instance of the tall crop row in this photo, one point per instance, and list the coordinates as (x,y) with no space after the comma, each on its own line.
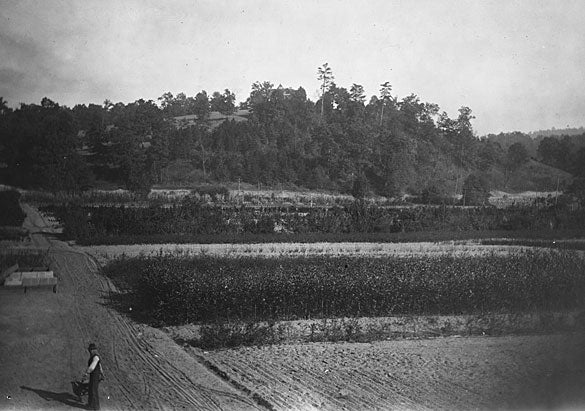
(174,290)
(192,219)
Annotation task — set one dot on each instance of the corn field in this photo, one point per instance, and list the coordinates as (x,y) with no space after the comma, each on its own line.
(171,290)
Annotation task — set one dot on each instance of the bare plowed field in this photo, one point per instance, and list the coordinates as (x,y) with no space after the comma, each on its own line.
(530,372)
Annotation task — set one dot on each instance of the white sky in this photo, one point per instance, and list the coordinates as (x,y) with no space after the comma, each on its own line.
(519,65)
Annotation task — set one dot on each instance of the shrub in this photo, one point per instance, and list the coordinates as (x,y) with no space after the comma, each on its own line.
(360,188)
(475,190)
(12,214)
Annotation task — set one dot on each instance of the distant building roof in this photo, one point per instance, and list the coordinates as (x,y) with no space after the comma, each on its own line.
(213,120)
(188,117)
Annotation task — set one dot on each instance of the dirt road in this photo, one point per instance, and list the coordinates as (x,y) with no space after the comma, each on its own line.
(44,338)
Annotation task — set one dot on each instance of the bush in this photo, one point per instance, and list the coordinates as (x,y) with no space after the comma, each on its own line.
(12,214)
(577,190)
(475,190)
(360,188)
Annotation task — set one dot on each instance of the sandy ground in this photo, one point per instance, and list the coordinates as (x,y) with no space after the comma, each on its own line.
(44,335)
(530,372)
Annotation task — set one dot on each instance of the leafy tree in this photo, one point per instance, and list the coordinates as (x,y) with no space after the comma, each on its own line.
(385,97)
(446,125)
(578,168)
(137,174)
(475,190)
(201,105)
(431,195)
(261,92)
(556,153)
(490,154)
(200,151)
(166,100)
(325,76)
(360,186)
(138,127)
(357,93)
(417,117)
(4,108)
(460,136)
(463,124)
(39,148)
(577,190)
(224,103)
(517,155)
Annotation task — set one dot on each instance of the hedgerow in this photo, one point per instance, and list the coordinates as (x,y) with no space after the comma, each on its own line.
(169,290)
(193,219)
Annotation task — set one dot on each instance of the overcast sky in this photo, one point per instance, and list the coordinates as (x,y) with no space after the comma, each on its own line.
(519,65)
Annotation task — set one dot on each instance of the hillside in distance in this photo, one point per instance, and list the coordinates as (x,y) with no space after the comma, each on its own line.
(535,176)
(568,131)
(277,137)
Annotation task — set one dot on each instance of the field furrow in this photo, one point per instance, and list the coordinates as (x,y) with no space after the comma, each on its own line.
(442,373)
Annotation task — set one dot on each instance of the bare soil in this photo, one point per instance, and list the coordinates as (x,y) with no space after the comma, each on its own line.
(44,335)
(514,372)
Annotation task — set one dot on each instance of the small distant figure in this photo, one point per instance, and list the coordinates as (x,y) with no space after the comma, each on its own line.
(94,371)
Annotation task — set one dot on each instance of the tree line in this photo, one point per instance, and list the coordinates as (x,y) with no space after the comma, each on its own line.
(386,145)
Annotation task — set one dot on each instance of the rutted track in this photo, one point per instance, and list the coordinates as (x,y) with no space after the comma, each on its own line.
(142,375)
(144,368)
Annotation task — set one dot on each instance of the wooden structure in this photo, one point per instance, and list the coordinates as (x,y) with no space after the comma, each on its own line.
(27,277)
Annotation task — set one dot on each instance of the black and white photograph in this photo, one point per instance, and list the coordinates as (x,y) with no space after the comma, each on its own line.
(278,205)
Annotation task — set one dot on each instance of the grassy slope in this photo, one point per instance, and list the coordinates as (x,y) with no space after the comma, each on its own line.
(532,176)
(536,176)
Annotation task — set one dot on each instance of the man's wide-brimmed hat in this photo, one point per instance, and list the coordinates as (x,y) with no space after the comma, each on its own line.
(92,346)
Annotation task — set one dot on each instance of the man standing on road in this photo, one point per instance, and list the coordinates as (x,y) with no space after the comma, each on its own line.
(94,370)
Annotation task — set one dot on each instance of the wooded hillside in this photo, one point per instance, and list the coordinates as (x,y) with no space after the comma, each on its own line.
(385,146)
